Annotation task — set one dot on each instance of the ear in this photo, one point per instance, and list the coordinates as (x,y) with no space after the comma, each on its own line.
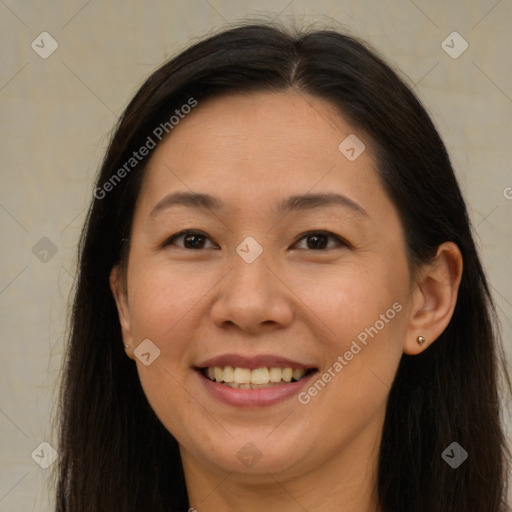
(118,287)
(434,297)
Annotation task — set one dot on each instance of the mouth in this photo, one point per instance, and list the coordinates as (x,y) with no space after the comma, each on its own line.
(253,381)
(256,378)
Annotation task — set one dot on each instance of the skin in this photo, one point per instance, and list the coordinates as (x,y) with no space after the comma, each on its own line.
(293,301)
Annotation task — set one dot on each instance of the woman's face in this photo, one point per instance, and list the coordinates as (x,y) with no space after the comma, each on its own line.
(298,263)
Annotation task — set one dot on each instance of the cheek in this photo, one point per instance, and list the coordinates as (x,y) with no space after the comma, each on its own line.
(352,298)
(362,311)
(160,297)
(162,304)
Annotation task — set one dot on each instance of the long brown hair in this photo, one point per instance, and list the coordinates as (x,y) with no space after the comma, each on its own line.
(114,452)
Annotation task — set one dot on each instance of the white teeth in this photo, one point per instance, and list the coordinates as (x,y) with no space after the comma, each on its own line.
(275,374)
(219,373)
(229,374)
(260,376)
(242,376)
(245,378)
(287,374)
(298,373)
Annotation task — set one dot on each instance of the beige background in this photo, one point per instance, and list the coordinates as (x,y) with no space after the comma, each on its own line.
(56,117)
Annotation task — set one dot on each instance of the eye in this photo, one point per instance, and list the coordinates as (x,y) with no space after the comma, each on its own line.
(318,240)
(191,239)
(315,240)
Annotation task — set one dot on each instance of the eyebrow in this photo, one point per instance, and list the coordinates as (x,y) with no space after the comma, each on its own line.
(292,203)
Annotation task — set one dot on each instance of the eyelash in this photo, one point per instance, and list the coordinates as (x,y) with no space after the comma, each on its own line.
(342,242)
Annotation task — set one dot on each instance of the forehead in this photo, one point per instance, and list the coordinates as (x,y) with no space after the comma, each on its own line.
(259,146)
(261,125)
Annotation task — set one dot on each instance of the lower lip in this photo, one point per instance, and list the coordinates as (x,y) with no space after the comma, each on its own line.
(253,397)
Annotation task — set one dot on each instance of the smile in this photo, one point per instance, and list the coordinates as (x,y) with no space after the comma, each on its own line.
(258,378)
(242,380)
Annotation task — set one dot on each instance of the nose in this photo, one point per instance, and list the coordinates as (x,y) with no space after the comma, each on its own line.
(253,297)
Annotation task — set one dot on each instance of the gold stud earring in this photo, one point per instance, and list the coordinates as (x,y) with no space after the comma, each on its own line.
(421,340)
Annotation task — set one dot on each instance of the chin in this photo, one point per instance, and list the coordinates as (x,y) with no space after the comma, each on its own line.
(253,454)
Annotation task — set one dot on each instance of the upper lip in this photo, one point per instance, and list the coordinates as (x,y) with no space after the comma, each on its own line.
(252,362)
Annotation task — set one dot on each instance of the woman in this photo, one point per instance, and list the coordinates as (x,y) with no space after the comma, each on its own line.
(279,302)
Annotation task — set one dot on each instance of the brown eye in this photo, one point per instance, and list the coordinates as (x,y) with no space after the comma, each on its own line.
(191,240)
(319,240)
